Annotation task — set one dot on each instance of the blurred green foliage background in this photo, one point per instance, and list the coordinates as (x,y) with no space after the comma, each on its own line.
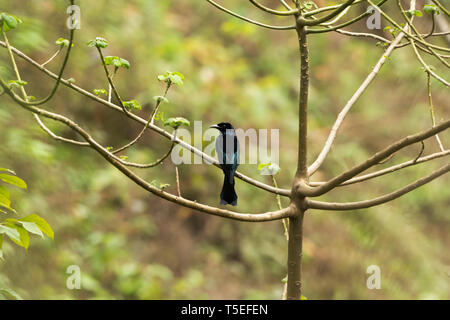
(131,245)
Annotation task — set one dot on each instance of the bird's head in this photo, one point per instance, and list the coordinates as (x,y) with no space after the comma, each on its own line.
(223,126)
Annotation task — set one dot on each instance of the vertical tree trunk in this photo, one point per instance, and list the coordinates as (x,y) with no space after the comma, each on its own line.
(294,286)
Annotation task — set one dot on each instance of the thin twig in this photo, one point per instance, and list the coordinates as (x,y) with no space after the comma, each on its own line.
(276,12)
(447,12)
(149,121)
(422,149)
(426,66)
(285,5)
(407,34)
(427,45)
(52,57)
(158,130)
(430,103)
(340,119)
(26,99)
(380,200)
(307,190)
(218,6)
(267,216)
(306,22)
(388,170)
(60,74)
(284,221)
(329,8)
(178,181)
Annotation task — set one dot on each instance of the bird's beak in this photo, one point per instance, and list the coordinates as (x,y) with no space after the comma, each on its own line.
(215,126)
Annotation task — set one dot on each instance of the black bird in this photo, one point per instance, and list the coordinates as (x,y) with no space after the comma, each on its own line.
(227,149)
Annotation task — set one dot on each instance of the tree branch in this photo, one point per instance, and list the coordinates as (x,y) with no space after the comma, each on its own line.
(218,6)
(409,22)
(285,5)
(389,169)
(108,156)
(426,66)
(340,119)
(436,2)
(433,118)
(312,204)
(305,22)
(26,99)
(329,8)
(58,81)
(276,12)
(167,135)
(150,120)
(342,25)
(306,190)
(408,34)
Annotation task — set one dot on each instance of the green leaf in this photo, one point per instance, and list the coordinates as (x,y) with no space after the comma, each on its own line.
(308,5)
(5,201)
(124,158)
(24,237)
(411,13)
(116,62)
(162,77)
(7,170)
(40,223)
(10,232)
(9,22)
(431,9)
(162,186)
(124,63)
(15,181)
(268,169)
(159,185)
(109,59)
(132,104)
(6,207)
(63,42)
(160,99)
(4,194)
(99,92)
(284,280)
(177,122)
(303,298)
(32,228)
(16,83)
(71,80)
(172,78)
(160,116)
(11,293)
(98,42)
(176,79)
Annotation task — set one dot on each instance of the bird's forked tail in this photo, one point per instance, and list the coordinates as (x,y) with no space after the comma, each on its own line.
(228,194)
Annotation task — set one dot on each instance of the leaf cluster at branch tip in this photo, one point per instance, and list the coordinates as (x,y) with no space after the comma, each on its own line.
(172,78)
(98,42)
(8,21)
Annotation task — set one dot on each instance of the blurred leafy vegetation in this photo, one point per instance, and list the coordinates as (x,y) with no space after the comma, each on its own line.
(132,245)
